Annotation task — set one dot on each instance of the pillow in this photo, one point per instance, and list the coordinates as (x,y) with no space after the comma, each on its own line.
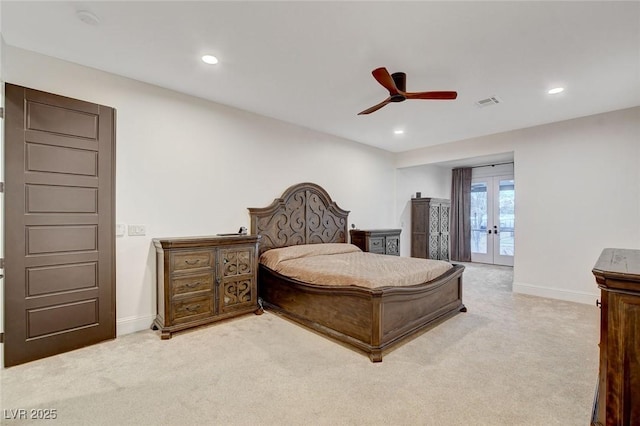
(273,257)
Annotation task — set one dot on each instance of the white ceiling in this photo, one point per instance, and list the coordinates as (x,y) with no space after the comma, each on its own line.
(310,63)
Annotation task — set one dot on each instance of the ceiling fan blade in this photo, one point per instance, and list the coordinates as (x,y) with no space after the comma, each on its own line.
(383,77)
(431,95)
(375,107)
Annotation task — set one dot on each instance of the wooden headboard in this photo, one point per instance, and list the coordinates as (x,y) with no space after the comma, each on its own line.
(305,214)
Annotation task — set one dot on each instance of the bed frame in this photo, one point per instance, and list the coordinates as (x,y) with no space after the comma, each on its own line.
(371,320)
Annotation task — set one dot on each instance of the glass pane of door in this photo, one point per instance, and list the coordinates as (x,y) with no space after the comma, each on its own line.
(506,208)
(479,212)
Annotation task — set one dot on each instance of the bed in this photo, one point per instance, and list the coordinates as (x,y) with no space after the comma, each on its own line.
(373,318)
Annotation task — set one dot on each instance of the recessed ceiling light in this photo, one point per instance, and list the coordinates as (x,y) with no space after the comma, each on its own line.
(398,132)
(209,59)
(555,90)
(87,17)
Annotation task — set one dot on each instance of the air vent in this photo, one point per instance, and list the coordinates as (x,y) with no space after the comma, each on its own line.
(493,100)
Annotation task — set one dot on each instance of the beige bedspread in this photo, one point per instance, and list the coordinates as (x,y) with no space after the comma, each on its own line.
(346,264)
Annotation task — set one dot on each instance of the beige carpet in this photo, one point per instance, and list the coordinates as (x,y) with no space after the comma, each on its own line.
(510,360)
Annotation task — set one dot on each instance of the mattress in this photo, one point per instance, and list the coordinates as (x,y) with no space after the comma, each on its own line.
(338,264)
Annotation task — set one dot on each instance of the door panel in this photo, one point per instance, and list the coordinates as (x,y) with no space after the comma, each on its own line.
(60,278)
(72,161)
(61,318)
(481,214)
(60,251)
(444,246)
(434,246)
(53,119)
(444,232)
(236,270)
(61,238)
(504,231)
(61,199)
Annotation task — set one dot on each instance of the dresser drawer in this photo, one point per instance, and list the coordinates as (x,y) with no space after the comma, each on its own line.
(191,283)
(376,245)
(190,260)
(186,309)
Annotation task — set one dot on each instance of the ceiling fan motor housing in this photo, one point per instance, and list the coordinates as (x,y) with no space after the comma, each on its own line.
(400,79)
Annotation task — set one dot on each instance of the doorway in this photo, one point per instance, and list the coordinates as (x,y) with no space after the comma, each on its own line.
(493,220)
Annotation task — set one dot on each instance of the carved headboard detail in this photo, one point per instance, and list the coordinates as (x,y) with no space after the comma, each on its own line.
(305,214)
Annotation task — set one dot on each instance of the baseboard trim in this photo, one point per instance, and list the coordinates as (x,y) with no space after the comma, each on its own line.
(130,325)
(555,293)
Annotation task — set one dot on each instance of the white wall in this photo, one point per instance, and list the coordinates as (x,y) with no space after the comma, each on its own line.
(432,181)
(469,148)
(577,192)
(186,166)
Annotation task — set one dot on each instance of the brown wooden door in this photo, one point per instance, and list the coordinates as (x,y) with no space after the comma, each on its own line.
(59,224)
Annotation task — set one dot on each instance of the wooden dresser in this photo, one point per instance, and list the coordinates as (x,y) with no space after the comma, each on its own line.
(381,241)
(204,279)
(430,228)
(617,400)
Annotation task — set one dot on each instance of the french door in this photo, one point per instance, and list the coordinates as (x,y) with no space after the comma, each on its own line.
(492,220)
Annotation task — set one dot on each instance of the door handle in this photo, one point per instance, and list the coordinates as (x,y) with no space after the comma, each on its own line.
(489,231)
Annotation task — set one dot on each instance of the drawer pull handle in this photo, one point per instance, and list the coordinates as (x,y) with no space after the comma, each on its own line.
(192,262)
(192,308)
(192,285)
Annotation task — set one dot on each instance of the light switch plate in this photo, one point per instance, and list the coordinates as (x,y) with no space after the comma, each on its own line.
(121,229)
(137,230)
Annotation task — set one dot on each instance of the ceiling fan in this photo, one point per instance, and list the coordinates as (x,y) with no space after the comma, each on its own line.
(396,84)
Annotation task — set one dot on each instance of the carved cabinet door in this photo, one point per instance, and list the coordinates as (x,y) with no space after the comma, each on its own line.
(237,287)
(434,231)
(444,231)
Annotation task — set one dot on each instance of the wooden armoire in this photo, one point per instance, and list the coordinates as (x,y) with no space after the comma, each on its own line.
(430,228)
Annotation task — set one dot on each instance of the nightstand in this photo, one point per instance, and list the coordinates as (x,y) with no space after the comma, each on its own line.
(381,241)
